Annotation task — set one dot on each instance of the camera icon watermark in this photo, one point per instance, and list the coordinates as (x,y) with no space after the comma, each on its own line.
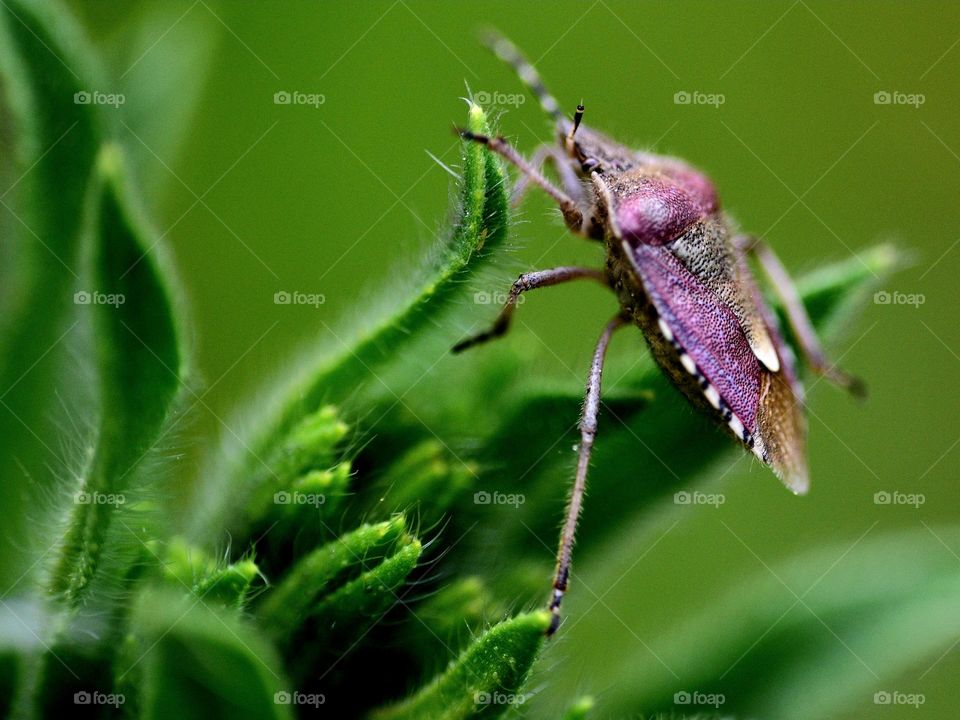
(895,497)
(283,297)
(885,297)
(684,497)
(695,697)
(895,697)
(98,498)
(85,697)
(895,97)
(295,97)
(295,697)
(483,497)
(696,97)
(95,97)
(496,97)
(496,298)
(92,297)
(296,497)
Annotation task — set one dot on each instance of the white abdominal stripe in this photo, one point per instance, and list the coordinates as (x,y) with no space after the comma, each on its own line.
(754,442)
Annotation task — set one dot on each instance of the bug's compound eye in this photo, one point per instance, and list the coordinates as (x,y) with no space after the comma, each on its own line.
(590,165)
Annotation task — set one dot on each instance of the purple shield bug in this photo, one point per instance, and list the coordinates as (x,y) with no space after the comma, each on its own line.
(680,272)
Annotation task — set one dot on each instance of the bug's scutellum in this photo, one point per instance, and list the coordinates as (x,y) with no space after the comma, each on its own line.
(681,275)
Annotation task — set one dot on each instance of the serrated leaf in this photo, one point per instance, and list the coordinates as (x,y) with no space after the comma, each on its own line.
(488,676)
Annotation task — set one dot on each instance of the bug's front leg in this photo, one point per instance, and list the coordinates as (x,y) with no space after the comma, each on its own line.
(568,178)
(797,316)
(572,214)
(528,281)
(588,431)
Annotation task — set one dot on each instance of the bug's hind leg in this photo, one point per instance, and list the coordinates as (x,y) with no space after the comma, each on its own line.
(797,316)
(528,281)
(561,163)
(588,430)
(572,214)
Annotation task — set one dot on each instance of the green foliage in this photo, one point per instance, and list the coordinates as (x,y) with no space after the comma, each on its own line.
(580,709)
(223,584)
(41,226)
(323,551)
(192,662)
(139,372)
(488,676)
(743,643)
(295,598)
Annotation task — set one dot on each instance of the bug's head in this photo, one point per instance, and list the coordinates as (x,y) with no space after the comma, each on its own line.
(589,151)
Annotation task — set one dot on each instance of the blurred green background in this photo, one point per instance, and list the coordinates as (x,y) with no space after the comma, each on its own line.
(340,197)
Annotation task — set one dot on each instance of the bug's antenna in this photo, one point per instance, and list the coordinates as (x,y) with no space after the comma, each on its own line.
(588,430)
(508,52)
(577,117)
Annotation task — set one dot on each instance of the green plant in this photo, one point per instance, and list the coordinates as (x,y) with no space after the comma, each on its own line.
(343,579)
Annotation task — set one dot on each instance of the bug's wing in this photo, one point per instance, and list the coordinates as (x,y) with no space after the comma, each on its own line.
(782,419)
(784,430)
(760,406)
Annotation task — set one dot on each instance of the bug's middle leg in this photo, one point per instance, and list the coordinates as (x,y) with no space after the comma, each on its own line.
(588,431)
(528,281)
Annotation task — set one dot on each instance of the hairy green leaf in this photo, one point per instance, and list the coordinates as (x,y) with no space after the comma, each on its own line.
(370,595)
(425,480)
(217,583)
(480,227)
(286,606)
(140,368)
(488,676)
(49,144)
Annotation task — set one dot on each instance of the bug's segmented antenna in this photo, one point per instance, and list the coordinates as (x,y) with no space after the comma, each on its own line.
(508,52)
(568,141)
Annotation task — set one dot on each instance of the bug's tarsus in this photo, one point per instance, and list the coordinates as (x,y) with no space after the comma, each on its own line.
(572,214)
(528,281)
(588,431)
(798,318)
(469,135)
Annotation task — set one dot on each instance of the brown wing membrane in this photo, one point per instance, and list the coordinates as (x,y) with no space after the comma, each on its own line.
(784,431)
(782,420)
